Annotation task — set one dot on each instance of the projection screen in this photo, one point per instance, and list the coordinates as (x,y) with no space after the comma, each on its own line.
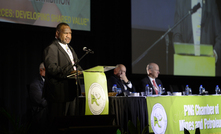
(185,51)
(47,13)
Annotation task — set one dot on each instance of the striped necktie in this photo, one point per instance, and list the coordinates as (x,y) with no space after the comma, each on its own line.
(155,87)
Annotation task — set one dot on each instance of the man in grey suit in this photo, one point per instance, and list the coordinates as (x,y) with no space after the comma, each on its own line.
(209,26)
(60,60)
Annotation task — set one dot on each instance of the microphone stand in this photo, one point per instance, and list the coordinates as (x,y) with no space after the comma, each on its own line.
(195,8)
(78,81)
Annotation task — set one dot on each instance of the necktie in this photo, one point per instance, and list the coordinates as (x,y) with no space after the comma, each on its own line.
(155,87)
(196,26)
(71,56)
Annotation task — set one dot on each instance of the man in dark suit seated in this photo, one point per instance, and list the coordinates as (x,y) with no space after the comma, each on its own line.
(38,103)
(120,79)
(151,79)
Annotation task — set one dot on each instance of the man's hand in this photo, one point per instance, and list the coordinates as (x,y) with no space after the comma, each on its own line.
(215,55)
(75,72)
(124,78)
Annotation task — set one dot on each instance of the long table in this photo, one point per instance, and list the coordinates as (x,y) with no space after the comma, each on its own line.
(167,114)
(125,109)
(171,114)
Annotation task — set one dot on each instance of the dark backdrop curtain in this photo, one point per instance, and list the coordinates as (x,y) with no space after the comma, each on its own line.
(110,38)
(22,48)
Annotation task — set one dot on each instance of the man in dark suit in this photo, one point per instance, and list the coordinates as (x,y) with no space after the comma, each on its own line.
(209,26)
(152,74)
(120,79)
(38,103)
(60,60)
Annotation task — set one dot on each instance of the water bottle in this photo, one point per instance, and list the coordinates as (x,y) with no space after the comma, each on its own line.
(217,89)
(201,89)
(150,91)
(114,88)
(187,89)
(147,88)
(160,90)
(190,91)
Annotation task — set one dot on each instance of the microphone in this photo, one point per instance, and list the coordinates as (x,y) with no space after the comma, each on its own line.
(84,48)
(195,8)
(88,50)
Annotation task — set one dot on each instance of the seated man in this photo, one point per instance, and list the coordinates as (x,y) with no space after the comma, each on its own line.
(151,79)
(38,103)
(120,79)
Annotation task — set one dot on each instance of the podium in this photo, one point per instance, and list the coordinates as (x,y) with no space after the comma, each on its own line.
(96,103)
(186,62)
(96,92)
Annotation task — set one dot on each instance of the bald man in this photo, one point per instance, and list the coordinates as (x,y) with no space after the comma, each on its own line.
(120,79)
(152,74)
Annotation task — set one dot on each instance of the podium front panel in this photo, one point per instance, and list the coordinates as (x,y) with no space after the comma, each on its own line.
(194,65)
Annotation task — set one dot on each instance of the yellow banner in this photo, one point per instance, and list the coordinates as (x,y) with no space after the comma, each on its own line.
(96,95)
(171,114)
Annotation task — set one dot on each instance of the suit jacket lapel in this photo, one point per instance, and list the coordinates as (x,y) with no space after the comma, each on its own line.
(204,14)
(74,54)
(151,85)
(76,60)
(63,51)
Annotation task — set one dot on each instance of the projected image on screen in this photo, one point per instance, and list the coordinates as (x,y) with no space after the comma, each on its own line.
(47,12)
(192,47)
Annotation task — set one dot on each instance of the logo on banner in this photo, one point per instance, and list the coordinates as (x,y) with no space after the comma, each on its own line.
(158,119)
(96,98)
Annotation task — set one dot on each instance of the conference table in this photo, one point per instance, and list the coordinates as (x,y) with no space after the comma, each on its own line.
(124,109)
(166,114)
